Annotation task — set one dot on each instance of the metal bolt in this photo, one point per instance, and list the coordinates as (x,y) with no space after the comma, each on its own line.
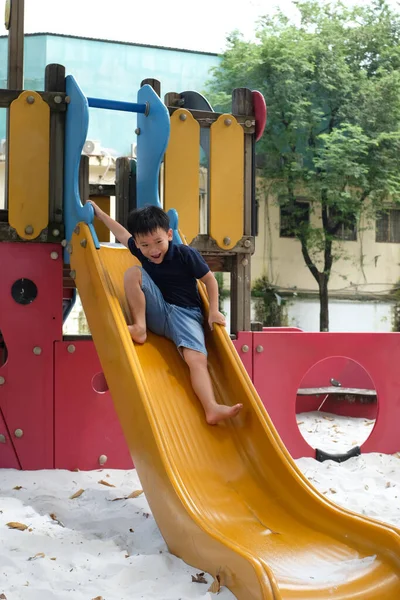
(245,348)
(18,433)
(137,130)
(37,350)
(245,262)
(227,241)
(72,274)
(259,349)
(69,248)
(183,117)
(77,230)
(2,439)
(57,99)
(30,100)
(71,348)
(228,122)
(83,243)
(101,187)
(247,243)
(2,380)
(56,232)
(103,459)
(248,123)
(29,229)
(54,255)
(67,99)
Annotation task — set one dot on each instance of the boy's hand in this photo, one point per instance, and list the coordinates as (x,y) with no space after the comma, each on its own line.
(97,209)
(216,317)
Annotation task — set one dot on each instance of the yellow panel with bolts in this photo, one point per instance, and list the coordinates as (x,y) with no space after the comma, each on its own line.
(226,182)
(181,178)
(29,155)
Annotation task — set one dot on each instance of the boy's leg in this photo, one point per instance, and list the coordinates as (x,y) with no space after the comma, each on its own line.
(202,386)
(137,304)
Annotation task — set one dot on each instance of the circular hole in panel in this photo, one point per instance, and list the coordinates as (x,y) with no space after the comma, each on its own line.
(24,291)
(336,405)
(99,383)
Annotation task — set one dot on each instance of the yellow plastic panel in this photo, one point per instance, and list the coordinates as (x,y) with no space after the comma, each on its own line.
(227,499)
(103,233)
(181,179)
(29,155)
(226,182)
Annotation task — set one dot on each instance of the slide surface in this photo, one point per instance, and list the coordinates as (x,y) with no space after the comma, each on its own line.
(229,499)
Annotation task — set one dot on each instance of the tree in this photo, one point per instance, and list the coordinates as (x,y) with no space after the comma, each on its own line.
(332,86)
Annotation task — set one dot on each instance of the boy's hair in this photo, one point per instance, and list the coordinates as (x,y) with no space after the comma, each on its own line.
(142,221)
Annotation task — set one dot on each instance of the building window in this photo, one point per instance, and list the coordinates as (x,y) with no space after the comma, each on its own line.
(348,232)
(292,217)
(388,226)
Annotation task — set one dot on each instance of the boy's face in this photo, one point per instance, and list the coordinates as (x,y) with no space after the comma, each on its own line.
(154,245)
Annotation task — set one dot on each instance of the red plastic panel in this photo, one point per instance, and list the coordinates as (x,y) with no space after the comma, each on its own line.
(286,357)
(244,347)
(86,424)
(260,112)
(26,397)
(8,457)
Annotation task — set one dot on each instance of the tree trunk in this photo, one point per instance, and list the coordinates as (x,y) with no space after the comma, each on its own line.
(324,302)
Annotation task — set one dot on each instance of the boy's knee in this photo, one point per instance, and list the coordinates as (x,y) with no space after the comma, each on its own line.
(194,359)
(132,276)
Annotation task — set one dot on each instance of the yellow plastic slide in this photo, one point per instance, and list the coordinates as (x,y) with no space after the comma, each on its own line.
(229,499)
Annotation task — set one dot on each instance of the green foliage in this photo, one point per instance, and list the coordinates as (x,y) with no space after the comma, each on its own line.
(332,87)
(270,307)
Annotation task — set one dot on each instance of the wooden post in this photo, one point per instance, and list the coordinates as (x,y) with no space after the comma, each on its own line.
(84,189)
(15,73)
(154,83)
(125,189)
(242,104)
(16,46)
(55,82)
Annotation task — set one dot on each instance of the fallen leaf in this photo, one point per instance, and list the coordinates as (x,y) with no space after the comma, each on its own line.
(30,529)
(115,499)
(3,597)
(17,487)
(54,518)
(38,555)
(76,495)
(105,483)
(75,470)
(135,494)
(366,487)
(388,485)
(199,578)
(53,558)
(98,598)
(16,525)
(332,491)
(215,587)
(132,530)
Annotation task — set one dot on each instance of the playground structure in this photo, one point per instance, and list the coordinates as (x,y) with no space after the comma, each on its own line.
(243,510)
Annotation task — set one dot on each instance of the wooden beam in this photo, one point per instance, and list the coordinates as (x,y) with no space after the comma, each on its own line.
(56,100)
(154,83)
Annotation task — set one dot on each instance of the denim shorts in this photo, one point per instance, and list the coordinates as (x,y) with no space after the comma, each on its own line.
(184,326)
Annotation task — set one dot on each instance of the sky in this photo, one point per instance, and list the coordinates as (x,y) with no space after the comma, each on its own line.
(159,22)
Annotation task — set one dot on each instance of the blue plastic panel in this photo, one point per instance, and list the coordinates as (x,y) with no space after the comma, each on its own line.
(151,145)
(76,127)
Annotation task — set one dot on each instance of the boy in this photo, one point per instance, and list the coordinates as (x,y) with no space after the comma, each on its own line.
(163,297)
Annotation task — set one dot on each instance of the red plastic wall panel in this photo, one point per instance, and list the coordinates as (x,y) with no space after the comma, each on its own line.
(244,347)
(279,369)
(8,457)
(29,331)
(86,424)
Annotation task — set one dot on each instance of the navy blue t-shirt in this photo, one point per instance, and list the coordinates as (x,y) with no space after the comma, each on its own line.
(177,274)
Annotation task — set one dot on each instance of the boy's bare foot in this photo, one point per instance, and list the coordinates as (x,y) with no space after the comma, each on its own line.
(222,412)
(138,333)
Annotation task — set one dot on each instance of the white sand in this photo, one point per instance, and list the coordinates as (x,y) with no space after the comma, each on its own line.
(108,550)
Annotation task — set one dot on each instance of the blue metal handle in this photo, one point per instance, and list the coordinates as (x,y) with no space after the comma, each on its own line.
(117,105)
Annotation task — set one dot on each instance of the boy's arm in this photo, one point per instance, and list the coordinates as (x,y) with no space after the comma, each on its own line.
(121,234)
(213,294)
